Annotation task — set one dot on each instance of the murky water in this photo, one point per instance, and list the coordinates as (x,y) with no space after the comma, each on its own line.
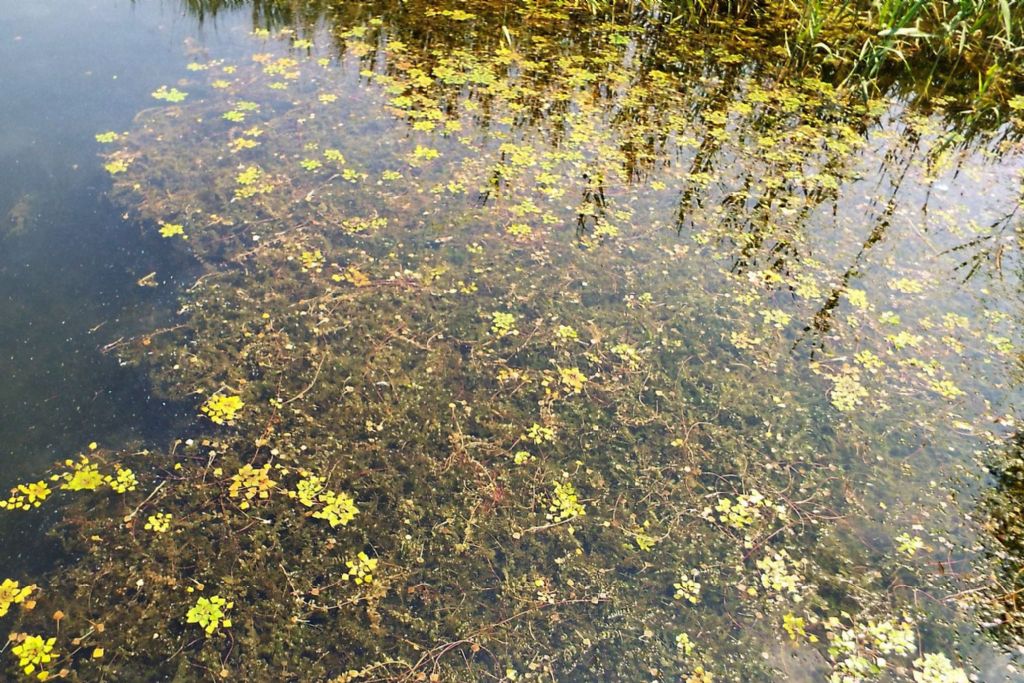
(494,344)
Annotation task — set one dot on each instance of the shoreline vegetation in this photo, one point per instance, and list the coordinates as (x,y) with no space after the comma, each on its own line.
(969,51)
(561,341)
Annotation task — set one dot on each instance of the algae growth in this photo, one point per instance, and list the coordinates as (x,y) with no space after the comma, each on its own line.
(540,346)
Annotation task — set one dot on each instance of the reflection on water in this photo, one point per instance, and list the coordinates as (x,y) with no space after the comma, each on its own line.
(533,346)
(68,261)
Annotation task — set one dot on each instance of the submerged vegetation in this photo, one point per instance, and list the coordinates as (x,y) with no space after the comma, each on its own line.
(543,342)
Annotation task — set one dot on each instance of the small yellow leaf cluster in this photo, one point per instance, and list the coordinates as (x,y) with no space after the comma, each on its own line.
(158,523)
(523,457)
(26,496)
(357,224)
(564,333)
(776,575)
(251,182)
(503,324)
(115,166)
(251,482)
(169,94)
(565,503)
(699,675)
(338,509)
(572,379)
(684,644)
(360,570)
(84,475)
(308,488)
(796,628)
(35,653)
(242,143)
(222,409)
(936,668)
(645,541)
(12,593)
(519,230)
(123,481)
(538,434)
(628,355)
(356,277)
(422,153)
(687,589)
(209,613)
(742,513)
(847,391)
(312,260)
(171,229)
(909,544)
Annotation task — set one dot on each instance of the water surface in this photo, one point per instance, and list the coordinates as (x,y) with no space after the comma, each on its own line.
(616,352)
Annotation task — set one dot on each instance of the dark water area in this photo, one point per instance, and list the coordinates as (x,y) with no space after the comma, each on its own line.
(69,261)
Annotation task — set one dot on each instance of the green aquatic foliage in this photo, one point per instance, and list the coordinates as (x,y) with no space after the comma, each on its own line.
(312,260)
(12,593)
(684,644)
(778,574)
(159,522)
(251,484)
(308,489)
(847,391)
(172,230)
(565,503)
(338,508)
(122,481)
(334,156)
(26,496)
(503,324)
(566,334)
(210,613)
(572,379)
(222,408)
(169,94)
(562,274)
(539,434)
(686,588)
(360,569)
(115,166)
(84,475)
(34,654)
(740,513)
(935,667)
(795,628)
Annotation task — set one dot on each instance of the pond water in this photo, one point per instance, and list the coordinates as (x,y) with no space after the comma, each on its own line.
(428,341)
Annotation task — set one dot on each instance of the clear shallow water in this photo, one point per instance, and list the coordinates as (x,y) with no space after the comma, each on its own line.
(745,256)
(68,260)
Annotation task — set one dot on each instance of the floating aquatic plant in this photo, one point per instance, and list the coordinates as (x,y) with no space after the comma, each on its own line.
(360,569)
(12,593)
(210,613)
(34,653)
(169,94)
(222,409)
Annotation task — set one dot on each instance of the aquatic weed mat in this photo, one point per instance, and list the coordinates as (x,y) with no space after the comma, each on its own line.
(543,359)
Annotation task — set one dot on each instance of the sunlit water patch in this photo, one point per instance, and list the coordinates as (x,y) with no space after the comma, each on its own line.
(538,348)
